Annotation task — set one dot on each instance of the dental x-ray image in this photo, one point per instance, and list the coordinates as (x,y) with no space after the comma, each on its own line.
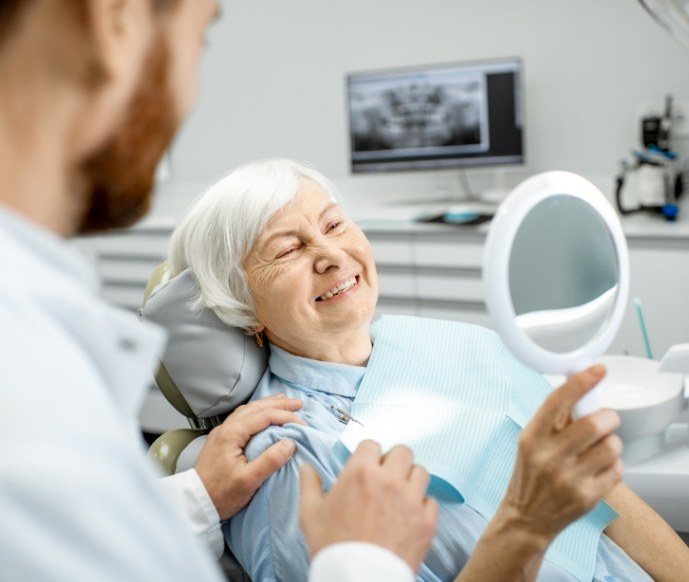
(420,111)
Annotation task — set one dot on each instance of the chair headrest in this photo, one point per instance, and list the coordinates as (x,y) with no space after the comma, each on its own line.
(214,366)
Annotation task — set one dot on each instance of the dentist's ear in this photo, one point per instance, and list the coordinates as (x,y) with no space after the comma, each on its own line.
(122,31)
(120,34)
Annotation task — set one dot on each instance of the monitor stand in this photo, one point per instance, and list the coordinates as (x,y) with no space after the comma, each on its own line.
(467,196)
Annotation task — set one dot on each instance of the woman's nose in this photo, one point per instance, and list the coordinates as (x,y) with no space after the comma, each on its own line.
(329,257)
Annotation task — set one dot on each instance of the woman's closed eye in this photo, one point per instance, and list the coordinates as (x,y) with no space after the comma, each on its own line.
(287,252)
(334,226)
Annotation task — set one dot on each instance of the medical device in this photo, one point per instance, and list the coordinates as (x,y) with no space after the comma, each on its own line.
(436,116)
(659,174)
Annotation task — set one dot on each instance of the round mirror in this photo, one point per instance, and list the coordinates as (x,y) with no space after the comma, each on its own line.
(563,275)
(556,273)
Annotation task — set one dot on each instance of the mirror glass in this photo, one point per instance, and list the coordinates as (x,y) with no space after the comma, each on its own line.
(563,273)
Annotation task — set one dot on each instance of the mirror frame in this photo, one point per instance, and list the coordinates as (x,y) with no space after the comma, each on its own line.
(496,258)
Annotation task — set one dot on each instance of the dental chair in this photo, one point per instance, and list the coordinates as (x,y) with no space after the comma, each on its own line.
(208,369)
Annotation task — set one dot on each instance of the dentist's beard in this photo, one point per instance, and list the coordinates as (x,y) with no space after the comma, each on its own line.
(117,182)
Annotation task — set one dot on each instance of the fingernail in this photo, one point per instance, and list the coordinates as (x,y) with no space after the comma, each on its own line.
(289,446)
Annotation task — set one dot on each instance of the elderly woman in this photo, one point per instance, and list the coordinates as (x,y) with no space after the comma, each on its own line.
(275,254)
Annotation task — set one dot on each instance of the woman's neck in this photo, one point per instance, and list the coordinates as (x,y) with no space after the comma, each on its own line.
(353,349)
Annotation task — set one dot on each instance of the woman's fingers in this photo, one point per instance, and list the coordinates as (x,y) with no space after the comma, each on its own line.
(600,457)
(583,433)
(610,477)
(555,412)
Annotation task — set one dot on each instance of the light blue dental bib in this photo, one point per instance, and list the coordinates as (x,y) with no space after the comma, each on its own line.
(455,395)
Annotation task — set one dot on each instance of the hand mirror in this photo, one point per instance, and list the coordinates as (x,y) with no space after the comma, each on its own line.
(556,274)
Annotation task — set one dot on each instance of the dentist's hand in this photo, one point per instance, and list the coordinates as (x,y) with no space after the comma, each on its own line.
(563,467)
(230,479)
(381,500)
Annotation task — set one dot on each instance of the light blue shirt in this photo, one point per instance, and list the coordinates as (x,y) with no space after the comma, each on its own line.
(266,537)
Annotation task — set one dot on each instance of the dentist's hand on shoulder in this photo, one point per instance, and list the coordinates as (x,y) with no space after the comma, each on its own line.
(377,499)
(230,479)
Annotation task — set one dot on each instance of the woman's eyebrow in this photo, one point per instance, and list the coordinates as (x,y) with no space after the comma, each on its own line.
(295,231)
(327,209)
(280,234)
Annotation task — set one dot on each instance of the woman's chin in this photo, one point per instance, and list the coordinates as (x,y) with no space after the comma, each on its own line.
(346,315)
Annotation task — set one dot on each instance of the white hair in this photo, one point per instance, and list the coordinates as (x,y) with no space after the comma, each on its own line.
(221,227)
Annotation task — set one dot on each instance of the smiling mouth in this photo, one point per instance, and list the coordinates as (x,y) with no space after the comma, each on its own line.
(342,288)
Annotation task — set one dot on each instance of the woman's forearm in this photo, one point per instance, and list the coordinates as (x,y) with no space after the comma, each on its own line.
(506,551)
(646,538)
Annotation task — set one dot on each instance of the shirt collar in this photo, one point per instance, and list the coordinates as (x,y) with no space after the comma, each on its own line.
(314,375)
(47,250)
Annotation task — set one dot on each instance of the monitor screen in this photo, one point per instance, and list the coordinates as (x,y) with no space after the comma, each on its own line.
(439,116)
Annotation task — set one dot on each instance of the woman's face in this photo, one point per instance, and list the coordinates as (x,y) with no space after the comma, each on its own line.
(311,274)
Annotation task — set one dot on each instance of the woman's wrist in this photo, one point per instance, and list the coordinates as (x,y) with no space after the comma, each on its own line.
(510,524)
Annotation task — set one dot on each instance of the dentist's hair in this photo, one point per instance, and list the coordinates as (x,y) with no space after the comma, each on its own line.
(223,224)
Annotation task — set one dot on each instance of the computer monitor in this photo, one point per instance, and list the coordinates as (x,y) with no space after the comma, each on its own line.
(436,116)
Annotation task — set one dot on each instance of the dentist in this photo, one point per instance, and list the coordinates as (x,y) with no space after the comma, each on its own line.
(91,95)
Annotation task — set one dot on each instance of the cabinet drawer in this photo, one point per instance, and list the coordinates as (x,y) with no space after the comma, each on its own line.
(396,284)
(126,270)
(391,251)
(396,307)
(450,287)
(132,245)
(458,254)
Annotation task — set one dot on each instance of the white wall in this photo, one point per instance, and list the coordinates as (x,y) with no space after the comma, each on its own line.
(273,81)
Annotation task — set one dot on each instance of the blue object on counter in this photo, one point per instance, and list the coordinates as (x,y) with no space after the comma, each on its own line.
(460,217)
(670,211)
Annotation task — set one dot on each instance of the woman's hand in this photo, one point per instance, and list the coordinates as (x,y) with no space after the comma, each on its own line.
(380,500)
(563,467)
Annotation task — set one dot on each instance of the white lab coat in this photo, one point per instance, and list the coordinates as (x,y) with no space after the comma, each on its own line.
(78,498)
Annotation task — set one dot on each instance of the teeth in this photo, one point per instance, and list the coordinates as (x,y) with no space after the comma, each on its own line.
(335,290)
